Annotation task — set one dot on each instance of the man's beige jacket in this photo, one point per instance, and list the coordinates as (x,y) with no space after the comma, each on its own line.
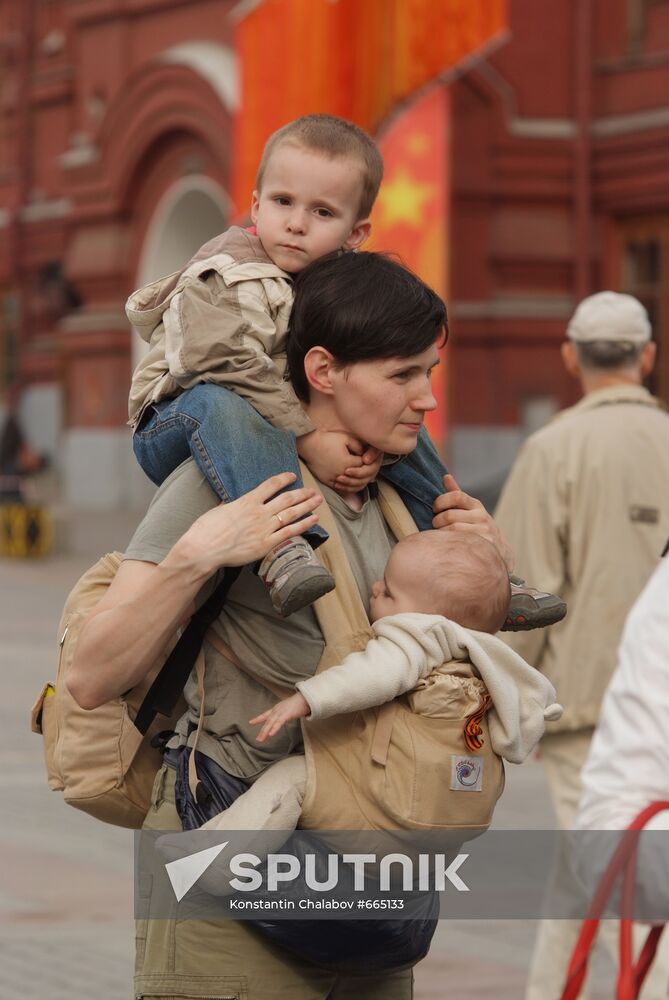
(586,510)
(222,319)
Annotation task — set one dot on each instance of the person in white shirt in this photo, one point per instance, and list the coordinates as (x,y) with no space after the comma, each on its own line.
(628,765)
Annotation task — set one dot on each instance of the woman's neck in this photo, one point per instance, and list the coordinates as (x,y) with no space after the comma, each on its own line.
(353,500)
(321,411)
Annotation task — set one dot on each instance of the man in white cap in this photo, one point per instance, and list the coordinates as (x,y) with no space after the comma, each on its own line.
(586,511)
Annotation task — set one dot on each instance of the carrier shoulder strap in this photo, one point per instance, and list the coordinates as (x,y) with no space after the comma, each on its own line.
(341,613)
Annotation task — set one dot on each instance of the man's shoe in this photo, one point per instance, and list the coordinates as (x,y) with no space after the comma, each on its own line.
(530,608)
(294,576)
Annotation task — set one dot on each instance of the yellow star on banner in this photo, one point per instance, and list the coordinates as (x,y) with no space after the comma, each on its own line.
(402,199)
(418,143)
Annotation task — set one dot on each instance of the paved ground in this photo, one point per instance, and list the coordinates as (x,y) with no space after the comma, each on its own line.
(66,881)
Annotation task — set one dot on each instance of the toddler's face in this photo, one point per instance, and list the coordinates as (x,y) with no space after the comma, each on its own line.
(308,206)
(396,593)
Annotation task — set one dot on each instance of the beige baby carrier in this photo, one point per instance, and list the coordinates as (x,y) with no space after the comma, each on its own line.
(408,764)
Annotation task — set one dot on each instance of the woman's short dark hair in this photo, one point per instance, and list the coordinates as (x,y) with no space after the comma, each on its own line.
(360,306)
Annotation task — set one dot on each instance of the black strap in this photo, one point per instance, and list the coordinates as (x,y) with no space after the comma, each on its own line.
(164,693)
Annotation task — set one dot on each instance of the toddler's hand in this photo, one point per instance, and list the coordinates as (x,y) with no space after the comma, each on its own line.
(339,460)
(357,477)
(274,719)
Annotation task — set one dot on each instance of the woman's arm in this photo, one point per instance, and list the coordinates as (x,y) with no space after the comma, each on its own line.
(131,628)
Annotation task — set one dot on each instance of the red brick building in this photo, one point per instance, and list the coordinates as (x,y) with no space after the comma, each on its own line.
(115,152)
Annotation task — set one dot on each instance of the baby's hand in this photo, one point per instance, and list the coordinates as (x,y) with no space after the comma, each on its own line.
(274,719)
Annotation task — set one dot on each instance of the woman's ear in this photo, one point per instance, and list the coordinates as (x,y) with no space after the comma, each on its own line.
(319,366)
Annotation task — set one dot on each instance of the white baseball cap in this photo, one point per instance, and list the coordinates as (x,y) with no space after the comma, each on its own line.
(610,316)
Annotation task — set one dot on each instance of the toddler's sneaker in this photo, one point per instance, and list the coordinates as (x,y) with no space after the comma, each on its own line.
(530,608)
(294,576)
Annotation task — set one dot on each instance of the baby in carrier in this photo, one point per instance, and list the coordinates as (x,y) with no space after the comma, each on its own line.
(434,615)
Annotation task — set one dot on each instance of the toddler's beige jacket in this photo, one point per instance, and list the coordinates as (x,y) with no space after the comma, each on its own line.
(223,319)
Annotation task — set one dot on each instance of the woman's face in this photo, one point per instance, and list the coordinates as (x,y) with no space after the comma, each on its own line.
(384,402)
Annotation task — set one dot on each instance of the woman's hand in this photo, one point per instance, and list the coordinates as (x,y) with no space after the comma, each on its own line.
(274,719)
(243,531)
(459,511)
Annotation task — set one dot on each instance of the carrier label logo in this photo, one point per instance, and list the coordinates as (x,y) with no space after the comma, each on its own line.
(466,774)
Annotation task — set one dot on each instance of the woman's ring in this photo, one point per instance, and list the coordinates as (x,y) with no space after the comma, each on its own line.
(280,519)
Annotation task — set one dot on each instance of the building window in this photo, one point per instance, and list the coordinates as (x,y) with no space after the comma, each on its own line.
(646,276)
(636,26)
(640,21)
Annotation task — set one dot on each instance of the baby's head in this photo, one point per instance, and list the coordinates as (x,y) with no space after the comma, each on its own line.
(316,184)
(460,576)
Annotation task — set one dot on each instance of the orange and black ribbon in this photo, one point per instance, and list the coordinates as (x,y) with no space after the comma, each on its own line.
(472,729)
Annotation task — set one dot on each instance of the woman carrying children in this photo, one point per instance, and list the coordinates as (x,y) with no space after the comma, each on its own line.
(212,385)
(363,344)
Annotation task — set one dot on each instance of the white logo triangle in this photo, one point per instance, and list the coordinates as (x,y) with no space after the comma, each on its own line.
(184,873)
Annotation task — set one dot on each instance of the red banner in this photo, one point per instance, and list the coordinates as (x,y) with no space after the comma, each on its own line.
(410,217)
(354,58)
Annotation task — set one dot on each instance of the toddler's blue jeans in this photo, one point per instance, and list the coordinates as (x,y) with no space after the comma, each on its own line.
(236,449)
